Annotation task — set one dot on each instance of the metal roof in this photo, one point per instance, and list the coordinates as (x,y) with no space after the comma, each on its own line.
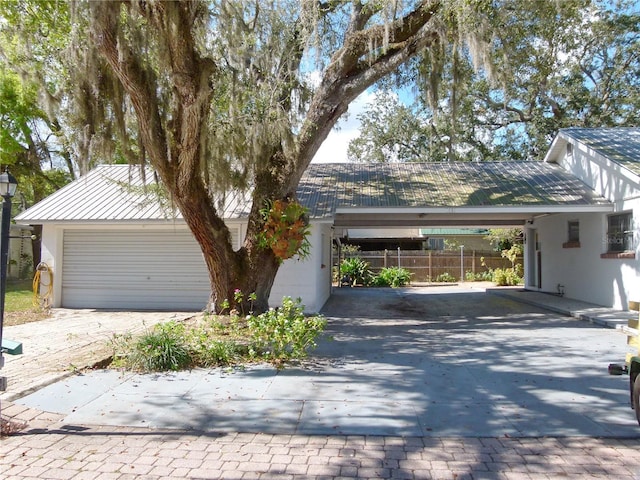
(119,192)
(618,144)
(327,187)
(115,193)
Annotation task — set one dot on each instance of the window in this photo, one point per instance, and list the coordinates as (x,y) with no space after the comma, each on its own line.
(569,150)
(436,243)
(620,232)
(573,235)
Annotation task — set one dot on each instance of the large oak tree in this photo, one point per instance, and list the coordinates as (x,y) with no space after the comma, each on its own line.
(239,95)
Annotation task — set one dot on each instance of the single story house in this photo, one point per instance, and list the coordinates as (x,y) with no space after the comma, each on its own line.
(110,243)
(594,257)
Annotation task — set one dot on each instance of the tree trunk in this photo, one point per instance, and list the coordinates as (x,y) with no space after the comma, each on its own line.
(172,131)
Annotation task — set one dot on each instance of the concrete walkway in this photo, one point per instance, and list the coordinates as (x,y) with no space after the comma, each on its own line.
(606,317)
(54,445)
(68,342)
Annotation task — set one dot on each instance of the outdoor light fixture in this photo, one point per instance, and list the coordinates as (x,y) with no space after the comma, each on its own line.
(8,185)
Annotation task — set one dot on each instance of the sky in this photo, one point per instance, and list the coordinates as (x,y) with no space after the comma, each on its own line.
(334,148)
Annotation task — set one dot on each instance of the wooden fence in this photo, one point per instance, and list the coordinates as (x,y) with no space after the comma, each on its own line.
(429,265)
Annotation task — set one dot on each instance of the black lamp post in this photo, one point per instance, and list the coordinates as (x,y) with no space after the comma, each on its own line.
(8,185)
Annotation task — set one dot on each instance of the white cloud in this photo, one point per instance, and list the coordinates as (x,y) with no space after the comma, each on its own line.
(334,148)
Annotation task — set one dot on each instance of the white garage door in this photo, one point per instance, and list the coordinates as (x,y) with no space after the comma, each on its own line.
(133,269)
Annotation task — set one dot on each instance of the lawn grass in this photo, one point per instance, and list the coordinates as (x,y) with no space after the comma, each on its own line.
(18,306)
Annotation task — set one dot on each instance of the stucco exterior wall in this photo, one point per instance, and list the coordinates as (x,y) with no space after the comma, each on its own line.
(607,178)
(309,279)
(305,279)
(581,272)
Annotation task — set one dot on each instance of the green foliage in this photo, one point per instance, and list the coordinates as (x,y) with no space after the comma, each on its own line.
(285,333)
(278,336)
(392,277)
(485,276)
(531,68)
(506,277)
(22,142)
(208,351)
(512,275)
(349,249)
(356,270)
(446,277)
(513,253)
(390,131)
(162,348)
(505,238)
(34,101)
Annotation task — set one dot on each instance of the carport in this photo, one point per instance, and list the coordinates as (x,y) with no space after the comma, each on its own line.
(462,194)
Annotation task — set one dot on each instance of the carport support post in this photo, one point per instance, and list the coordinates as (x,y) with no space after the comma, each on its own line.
(462,263)
(8,186)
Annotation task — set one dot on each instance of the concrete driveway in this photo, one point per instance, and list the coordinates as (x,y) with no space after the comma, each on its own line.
(437,361)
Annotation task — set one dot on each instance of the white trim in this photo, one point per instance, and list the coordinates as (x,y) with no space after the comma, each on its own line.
(527,209)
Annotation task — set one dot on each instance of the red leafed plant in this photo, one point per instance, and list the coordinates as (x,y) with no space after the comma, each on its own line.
(285,229)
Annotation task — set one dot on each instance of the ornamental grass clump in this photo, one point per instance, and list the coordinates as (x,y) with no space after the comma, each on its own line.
(160,349)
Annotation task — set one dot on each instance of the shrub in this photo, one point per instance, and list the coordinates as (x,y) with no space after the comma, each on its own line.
(506,277)
(162,348)
(208,350)
(445,277)
(277,335)
(392,277)
(219,352)
(486,276)
(284,333)
(356,270)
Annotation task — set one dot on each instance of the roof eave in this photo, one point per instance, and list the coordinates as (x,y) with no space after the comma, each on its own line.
(590,208)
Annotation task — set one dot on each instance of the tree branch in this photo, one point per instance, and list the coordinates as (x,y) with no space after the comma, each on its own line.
(139,84)
(348,75)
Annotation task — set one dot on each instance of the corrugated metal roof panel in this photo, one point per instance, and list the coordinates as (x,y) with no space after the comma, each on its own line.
(440,185)
(115,193)
(107,193)
(118,192)
(618,144)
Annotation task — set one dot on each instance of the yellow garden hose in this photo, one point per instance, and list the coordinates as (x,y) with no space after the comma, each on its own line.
(42,300)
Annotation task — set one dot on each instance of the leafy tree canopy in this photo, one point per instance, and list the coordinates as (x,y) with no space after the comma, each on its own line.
(552,65)
(31,140)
